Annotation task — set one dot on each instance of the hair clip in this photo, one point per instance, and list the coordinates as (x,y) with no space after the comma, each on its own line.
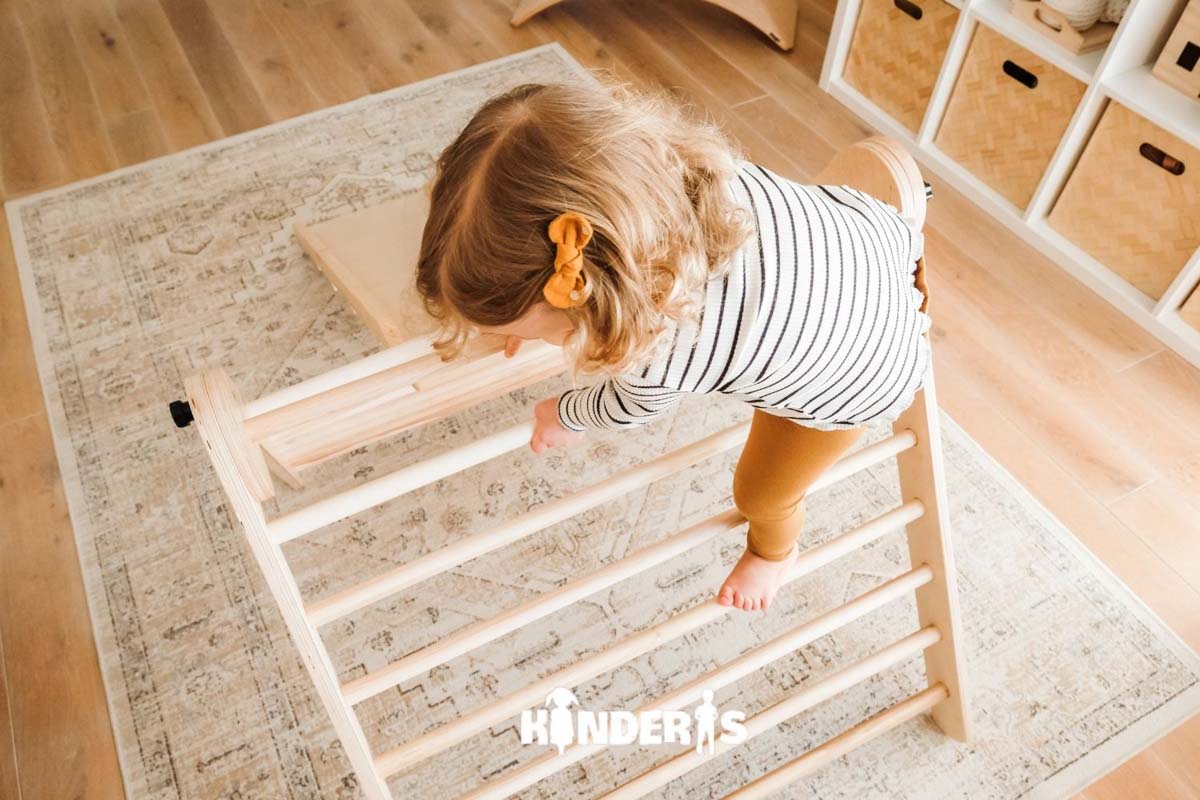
(565,288)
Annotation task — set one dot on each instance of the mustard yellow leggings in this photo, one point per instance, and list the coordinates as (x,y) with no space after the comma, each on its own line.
(780,461)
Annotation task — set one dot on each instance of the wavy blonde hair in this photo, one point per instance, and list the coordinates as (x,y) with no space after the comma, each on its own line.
(651,178)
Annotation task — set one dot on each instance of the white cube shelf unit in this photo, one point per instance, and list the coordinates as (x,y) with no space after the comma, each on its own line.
(1120,72)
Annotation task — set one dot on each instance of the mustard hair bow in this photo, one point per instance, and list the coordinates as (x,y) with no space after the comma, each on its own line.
(565,288)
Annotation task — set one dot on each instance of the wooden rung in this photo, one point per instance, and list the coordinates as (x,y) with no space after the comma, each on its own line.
(468,638)
(644,641)
(868,456)
(394,373)
(782,711)
(353,501)
(381,405)
(383,387)
(340,376)
(367,495)
(814,558)
(538,518)
(782,777)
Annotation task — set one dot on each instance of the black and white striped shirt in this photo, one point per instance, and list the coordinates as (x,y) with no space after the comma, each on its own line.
(817,321)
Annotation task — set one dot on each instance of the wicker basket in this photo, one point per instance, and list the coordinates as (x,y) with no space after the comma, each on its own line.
(1179,63)
(1006,115)
(896,53)
(1133,200)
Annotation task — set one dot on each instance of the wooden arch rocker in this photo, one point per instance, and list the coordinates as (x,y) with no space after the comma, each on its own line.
(406,385)
(775,18)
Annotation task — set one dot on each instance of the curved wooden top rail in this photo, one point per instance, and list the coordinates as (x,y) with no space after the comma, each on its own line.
(882,168)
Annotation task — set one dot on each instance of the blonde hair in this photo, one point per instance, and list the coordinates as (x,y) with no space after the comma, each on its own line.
(651,178)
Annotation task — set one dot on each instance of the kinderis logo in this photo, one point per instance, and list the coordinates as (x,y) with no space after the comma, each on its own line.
(557,725)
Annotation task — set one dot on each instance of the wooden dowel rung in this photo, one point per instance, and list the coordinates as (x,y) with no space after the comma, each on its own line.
(472,636)
(340,376)
(814,558)
(808,763)
(538,518)
(362,391)
(383,387)
(646,640)
(868,456)
(767,719)
(381,405)
(367,495)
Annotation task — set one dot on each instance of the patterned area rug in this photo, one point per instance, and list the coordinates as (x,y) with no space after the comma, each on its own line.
(138,278)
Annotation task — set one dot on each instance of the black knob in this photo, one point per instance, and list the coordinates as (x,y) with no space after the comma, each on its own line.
(928,190)
(181,413)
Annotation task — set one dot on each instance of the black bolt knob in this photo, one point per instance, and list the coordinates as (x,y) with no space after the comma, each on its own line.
(928,190)
(181,413)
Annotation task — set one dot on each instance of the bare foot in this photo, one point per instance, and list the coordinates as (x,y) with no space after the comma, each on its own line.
(753,582)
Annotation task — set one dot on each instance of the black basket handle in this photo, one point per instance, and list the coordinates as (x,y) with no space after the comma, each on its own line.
(909,7)
(1019,74)
(1160,159)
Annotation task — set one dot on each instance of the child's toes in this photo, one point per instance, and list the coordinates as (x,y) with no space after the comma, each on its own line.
(725,597)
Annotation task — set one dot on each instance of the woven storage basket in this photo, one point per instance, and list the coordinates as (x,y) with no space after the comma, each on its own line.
(1177,64)
(1007,112)
(896,53)
(1126,206)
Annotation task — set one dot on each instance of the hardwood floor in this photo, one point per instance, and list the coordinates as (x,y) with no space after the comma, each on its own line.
(1086,409)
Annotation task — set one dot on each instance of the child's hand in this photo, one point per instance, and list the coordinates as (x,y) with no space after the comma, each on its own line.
(547,430)
(511,345)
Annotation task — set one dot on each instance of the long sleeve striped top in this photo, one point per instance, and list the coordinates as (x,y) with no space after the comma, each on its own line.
(817,319)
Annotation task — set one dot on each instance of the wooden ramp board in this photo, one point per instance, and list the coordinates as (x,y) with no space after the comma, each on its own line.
(370,256)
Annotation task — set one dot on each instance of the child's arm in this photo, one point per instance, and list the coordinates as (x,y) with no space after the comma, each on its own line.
(620,402)
(612,403)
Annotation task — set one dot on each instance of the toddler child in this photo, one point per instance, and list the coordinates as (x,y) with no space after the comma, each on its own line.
(615,224)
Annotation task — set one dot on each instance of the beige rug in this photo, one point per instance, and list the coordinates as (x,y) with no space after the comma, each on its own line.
(137,278)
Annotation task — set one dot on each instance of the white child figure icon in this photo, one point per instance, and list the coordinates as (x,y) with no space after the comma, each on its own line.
(706,723)
(562,721)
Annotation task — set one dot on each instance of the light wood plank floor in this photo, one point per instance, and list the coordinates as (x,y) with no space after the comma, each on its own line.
(1092,414)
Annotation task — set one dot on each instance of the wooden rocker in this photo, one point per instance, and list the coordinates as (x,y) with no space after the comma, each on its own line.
(405,385)
(775,18)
